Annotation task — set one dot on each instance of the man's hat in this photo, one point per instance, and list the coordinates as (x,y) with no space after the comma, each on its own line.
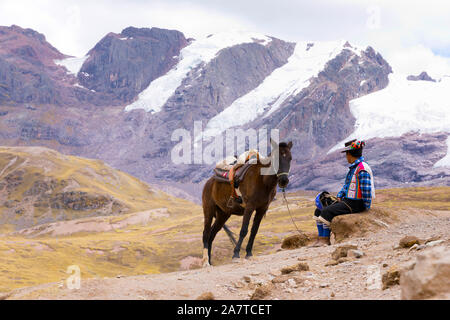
(353,145)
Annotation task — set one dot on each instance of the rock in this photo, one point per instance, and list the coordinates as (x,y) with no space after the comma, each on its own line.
(287,270)
(5,295)
(431,239)
(247,279)
(434,243)
(295,241)
(331,263)
(323,285)
(429,277)
(391,277)
(238,284)
(281,279)
(345,260)
(262,292)
(285,278)
(423,76)
(302,266)
(206,296)
(342,251)
(275,272)
(291,283)
(409,241)
(355,253)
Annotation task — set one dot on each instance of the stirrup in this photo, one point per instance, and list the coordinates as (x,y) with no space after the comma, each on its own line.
(232,200)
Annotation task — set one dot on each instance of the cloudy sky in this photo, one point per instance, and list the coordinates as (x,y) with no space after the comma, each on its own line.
(412,35)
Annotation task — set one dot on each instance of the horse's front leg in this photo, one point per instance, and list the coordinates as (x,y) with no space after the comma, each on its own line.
(244,229)
(255,226)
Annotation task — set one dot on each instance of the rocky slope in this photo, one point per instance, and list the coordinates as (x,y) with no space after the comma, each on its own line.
(124,64)
(28,73)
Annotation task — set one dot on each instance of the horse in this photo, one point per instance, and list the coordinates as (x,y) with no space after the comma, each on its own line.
(257,189)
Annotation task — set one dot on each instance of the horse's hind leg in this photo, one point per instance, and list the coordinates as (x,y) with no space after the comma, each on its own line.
(209,212)
(221,218)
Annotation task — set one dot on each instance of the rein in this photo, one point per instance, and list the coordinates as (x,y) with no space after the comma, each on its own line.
(287,206)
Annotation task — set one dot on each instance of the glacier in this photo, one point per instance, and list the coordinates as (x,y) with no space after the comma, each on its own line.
(403,106)
(73,64)
(203,50)
(306,62)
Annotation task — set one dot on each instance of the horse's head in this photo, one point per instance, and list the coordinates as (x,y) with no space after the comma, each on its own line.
(284,166)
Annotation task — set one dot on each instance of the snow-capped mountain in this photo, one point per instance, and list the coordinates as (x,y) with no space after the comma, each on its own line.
(122,101)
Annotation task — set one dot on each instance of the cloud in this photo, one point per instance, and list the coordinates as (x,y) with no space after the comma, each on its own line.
(418,31)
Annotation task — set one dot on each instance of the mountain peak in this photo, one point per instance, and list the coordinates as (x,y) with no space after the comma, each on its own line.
(149,32)
(27,44)
(26,32)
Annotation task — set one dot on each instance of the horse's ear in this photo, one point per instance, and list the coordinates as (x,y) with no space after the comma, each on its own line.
(289,145)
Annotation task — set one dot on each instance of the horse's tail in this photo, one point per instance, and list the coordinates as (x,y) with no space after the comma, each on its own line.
(230,234)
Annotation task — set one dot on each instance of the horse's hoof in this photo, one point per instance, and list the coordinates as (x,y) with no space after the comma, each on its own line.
(205,263)
(249,257)
(235,259)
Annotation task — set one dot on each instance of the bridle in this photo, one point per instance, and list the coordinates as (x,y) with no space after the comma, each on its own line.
(282,174)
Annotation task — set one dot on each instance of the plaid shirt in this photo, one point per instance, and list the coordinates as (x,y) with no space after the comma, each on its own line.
(364,182)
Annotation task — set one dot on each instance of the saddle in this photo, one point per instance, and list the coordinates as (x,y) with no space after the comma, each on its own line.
(232,170)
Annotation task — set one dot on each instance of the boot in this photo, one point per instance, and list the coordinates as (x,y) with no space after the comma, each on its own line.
(321,242)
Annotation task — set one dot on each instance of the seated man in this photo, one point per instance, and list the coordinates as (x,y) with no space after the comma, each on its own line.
(355,196)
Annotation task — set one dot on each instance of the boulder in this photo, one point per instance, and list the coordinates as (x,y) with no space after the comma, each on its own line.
(429,277)
(357,225)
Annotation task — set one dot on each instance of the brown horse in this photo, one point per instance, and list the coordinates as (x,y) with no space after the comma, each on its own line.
(258,191)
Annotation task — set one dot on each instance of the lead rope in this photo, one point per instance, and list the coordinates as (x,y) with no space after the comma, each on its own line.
(287,206)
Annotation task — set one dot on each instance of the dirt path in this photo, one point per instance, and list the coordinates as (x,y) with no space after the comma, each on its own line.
(356,279)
